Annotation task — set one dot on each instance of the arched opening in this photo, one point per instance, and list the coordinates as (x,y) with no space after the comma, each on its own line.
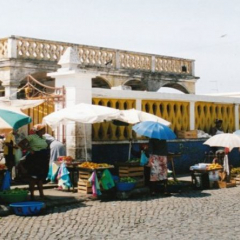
(99,82)
(173,88)
(42,78)
(136,85)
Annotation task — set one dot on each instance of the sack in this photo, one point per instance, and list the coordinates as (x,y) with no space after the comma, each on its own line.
(144,159)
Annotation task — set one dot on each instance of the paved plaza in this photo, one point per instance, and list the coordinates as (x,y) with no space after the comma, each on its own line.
(208,214)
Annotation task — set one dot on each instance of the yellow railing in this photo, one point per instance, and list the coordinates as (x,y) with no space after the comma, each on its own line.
(175,112)
(206,113)
(108,131)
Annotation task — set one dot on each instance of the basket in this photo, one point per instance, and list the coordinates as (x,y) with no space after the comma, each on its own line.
(13,197)
(27,208)
(124,186)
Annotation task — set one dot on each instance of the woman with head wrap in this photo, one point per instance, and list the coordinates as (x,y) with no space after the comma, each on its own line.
(37,158)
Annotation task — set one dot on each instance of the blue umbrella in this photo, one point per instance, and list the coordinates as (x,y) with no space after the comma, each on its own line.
(154,130)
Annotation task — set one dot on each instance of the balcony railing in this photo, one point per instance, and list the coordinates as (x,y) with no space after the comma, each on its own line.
(38,49)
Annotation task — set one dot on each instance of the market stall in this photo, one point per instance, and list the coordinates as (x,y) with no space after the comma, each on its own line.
(94,178)
(205,176)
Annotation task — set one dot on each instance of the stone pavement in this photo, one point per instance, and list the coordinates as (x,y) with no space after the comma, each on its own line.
(208,214)
(55,197)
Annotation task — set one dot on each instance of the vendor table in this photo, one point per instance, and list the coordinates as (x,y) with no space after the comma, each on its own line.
(171,157)
(200,177)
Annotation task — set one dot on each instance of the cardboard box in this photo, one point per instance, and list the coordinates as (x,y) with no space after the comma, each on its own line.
(222,184)
(187,134)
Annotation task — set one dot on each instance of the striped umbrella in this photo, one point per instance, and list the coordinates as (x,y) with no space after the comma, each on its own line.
(12,118)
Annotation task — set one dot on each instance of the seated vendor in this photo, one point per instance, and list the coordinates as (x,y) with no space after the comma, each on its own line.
(217,129)
(219,156)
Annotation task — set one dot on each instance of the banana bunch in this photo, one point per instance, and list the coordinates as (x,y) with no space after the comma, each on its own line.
(104,165)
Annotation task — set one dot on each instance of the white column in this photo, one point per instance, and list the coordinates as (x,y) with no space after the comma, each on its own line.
(139,104)
(11,91)
(12,47)
(236,114)
(153,65)
(117,60)
(78,85)
(192,115)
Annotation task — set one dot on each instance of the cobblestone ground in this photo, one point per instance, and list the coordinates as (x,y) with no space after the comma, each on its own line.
(210,214)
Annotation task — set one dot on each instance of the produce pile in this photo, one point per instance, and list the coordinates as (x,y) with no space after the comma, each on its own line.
(15,191)
(235,172)
(93,165)
(127,180)
(66,159)
(214,166)
(133,160)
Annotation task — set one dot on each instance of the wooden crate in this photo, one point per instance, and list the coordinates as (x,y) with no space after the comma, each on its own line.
(187,134)
(222,184)
(84,186)
(131,171)
(237,179)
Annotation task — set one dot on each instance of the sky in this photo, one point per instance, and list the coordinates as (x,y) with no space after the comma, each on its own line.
(206,31)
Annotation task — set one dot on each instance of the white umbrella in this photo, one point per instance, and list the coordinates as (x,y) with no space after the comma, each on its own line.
(82,113)
(133,116)
(227,140)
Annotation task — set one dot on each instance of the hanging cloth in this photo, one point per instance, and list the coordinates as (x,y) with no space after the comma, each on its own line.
(63,174)
(95,184)
(225,164)
(106,180)
(52,172)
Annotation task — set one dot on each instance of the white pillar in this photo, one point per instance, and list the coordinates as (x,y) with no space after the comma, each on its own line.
(153,65)
(192,115)
(78,85)
(139,104)
(236,114)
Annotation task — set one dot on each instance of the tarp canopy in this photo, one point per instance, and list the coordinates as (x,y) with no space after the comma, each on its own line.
(19,103)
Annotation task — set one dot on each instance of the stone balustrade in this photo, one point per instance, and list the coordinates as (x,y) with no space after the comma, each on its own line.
(37,49)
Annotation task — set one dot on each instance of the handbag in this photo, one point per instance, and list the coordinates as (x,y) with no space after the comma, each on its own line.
(144,159)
